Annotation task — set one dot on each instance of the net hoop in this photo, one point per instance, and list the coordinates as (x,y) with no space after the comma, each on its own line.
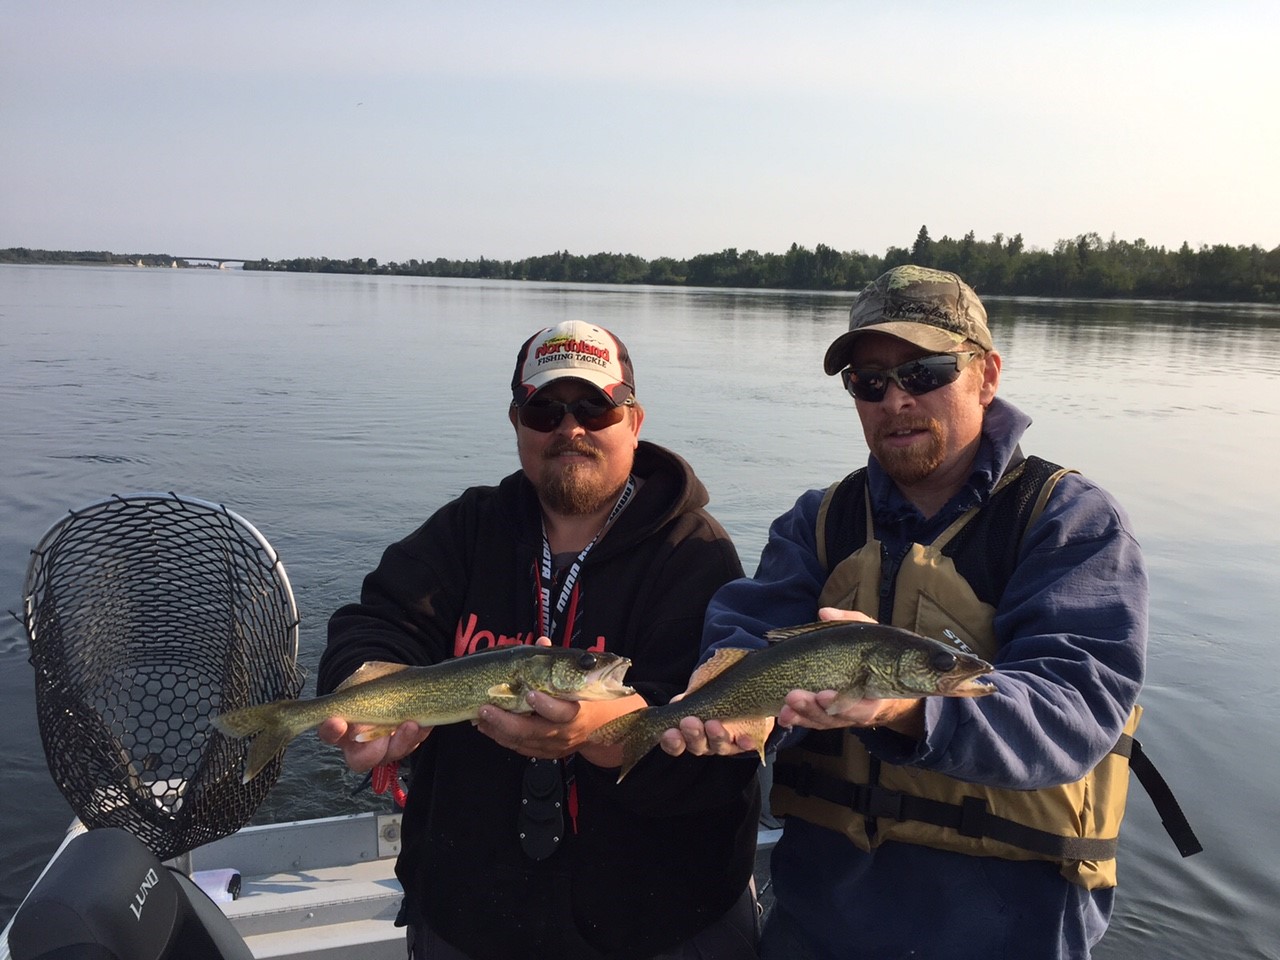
(147,614)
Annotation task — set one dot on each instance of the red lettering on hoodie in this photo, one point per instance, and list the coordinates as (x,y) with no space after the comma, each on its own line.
(467,639)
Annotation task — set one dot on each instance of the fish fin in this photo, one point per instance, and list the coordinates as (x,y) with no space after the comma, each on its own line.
(861,686)
(786,633)
(758,728)
(843,701)
(371,670)
(374,733)
(505,696)
(720,661)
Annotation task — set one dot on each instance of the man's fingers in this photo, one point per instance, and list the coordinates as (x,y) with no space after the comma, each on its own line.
(717,735)
(363,757)
(552,709)
(405,740)
(672,742)
(835,613)
(332,730)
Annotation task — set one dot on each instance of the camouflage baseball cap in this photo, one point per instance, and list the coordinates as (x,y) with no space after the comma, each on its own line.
(933,309)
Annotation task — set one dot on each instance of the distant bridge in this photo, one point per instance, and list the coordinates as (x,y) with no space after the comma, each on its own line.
(220,260)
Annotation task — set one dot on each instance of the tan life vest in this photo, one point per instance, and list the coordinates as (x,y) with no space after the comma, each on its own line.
(834,782)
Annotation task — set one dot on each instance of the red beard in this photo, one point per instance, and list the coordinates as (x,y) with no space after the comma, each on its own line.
(910,464)
(574,489)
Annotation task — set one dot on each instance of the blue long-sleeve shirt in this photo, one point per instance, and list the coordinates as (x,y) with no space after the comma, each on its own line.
(1071,629)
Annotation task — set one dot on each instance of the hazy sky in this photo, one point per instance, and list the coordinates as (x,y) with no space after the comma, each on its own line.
(509,129)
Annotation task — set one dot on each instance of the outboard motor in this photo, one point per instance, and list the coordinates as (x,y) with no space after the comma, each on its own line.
(147,615)
(107,897)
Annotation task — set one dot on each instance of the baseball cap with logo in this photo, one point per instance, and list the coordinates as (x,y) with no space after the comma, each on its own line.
(574,349)
(931,308)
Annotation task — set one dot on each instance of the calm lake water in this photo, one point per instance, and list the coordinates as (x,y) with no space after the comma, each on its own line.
(335,413)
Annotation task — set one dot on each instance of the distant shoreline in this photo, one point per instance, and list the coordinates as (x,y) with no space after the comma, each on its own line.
(62,258)
(1086,267)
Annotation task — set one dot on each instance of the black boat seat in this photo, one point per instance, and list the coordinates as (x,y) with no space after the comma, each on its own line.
(107,897)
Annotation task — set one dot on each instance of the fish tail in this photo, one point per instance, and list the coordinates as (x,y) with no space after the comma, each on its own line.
(268,724)
(263,750)
(616,729)
(636,744)
(245,721)
(636,738)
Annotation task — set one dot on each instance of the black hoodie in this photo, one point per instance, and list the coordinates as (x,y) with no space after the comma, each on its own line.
(645,864)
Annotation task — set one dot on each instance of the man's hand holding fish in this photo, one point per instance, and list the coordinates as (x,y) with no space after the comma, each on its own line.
(363,757)
(713,738)
(557,728)
(823,711)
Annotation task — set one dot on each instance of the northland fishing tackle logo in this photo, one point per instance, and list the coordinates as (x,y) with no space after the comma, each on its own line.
(572,351)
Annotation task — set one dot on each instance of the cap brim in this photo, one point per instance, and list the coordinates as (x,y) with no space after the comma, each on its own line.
(918,334)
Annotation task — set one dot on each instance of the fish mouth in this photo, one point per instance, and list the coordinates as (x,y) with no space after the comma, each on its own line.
(970,686)
(606,681)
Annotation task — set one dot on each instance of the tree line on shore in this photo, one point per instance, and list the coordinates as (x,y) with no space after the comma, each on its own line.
(1086,266)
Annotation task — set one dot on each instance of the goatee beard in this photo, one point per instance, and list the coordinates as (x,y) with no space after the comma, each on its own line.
(914,464)
(575,489)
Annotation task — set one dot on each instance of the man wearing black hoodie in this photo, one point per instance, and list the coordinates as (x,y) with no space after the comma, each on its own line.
(518,841)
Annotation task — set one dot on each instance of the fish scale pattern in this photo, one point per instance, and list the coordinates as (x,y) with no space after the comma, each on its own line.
(146,615)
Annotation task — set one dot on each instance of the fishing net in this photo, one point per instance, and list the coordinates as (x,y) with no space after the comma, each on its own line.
(146,615)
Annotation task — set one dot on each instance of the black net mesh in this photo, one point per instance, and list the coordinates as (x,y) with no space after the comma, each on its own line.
(147,615)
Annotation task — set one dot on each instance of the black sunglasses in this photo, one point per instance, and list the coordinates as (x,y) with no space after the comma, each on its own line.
(915,376)
(592,413)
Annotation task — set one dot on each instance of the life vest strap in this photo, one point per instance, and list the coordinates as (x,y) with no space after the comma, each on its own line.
(969,818)
(1172,818)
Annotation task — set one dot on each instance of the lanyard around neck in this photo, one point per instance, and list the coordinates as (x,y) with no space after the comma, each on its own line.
(546,621)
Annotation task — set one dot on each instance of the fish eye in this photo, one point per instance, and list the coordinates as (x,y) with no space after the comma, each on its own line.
(587,661)
(943,661)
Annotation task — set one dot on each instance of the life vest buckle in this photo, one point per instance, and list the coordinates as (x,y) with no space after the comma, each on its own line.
(880,802)
(973,817)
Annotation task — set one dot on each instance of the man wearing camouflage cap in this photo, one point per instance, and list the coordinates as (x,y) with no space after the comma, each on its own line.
(946,827)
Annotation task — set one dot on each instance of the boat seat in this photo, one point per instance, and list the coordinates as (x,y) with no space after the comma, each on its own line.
(107,897)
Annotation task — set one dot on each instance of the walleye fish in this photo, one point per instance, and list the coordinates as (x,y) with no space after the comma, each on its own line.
(855,659)
(388,694)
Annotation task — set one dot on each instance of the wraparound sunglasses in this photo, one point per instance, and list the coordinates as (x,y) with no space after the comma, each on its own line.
(591,413)
(916,377)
